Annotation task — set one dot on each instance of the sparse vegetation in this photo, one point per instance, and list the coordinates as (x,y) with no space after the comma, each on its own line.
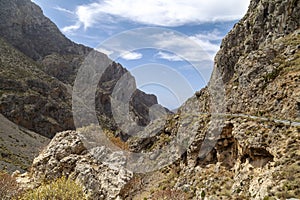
(169,194)
(116,140)
(272,75)
(9,188)
(60,189)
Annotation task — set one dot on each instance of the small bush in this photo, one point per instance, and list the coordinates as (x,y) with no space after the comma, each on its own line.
(9,188)
(169,194)
(116,140)
(61,189)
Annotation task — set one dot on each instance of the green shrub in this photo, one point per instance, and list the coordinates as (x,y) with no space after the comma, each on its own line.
(60,189)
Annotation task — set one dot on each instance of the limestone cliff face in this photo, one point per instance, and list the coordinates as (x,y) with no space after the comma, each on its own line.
(30,97)
(24,26)
(26,29)
(264,22)
(246,121)
(251,152)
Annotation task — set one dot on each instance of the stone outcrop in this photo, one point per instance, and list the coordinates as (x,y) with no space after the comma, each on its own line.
(264,22)
(66,155)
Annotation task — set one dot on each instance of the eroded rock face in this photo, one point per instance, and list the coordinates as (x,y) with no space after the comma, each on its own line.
(259,65)
(24,26)
(66,155)
(37,89)
(30,97)
(261,81)
(264,22)
(246,145)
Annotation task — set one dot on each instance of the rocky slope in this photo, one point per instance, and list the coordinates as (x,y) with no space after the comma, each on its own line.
(18,146)
(243,128)
(248,149)
(246,121)
(24,27)
(30,97)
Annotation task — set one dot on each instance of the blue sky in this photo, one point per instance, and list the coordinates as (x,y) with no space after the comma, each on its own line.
(165,63)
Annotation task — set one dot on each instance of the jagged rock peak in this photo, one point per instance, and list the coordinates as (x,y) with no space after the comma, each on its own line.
(23,25)
(265,21)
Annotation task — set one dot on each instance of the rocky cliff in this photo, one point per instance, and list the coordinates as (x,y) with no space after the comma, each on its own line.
(246,121)
(30,97)
(249,148)
(51,62)
(242,129)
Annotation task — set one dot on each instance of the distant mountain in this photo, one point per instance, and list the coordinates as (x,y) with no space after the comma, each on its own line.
(48,52)
(38,67)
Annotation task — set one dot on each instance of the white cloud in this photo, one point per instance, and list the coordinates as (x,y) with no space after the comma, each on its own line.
(170,45)
(70,29)
(161,12)
(88,14)
(64,10)
(105,51)
(206,41)
(215,35)
(168,56)
(188,48)
(131,56)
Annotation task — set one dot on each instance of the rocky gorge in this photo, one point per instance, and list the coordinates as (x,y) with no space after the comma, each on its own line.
(242,129)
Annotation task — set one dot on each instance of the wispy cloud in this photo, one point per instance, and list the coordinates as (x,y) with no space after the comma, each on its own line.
(208,41)
(160,12)
(105,51)
(168,56)
(169,44)
(131,56)
(64,10)
(185,47)
(214,35)
(70,29)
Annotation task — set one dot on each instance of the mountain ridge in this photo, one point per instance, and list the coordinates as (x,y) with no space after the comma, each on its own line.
(24,26)
(238,145)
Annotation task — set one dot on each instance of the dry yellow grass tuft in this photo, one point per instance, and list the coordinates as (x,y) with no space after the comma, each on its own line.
(62,188)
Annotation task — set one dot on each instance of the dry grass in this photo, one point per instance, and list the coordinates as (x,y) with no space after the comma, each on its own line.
(169,194)
(9,187)
(116,140)
(61,189)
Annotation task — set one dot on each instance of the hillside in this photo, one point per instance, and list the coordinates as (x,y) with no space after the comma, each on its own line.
(18,146)
(30,97)
(237,138)
(38,65)
(24,27)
